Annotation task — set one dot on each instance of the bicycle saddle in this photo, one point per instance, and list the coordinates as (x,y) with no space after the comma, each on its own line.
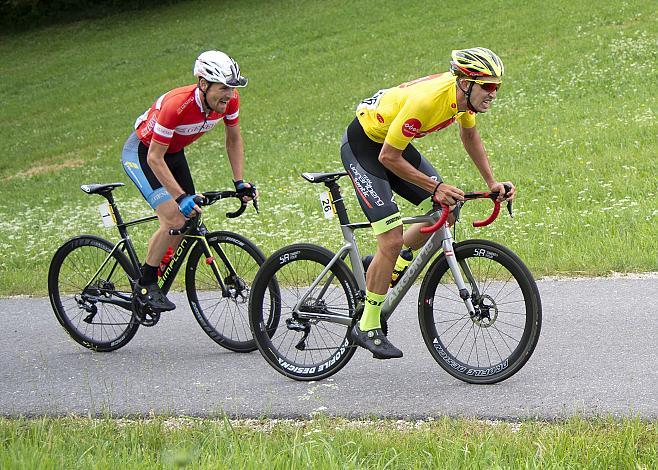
(323,177)
(99,188)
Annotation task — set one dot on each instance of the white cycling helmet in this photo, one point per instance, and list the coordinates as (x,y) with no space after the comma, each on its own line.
(217,67)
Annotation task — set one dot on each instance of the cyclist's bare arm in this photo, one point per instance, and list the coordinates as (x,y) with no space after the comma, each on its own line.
(473,144)
(155,160)
(235,151)
(392,159)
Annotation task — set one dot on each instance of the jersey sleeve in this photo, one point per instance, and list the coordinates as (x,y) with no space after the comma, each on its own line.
(232,110)
(166,123)
(467,119)
(406,124)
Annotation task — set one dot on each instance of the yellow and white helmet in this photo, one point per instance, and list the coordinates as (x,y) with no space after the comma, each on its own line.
(477,63)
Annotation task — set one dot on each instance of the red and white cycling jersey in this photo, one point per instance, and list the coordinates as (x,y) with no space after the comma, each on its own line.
(177,119)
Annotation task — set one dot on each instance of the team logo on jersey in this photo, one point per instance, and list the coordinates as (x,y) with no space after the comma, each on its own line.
(411,127)
(380,118)
(182,107)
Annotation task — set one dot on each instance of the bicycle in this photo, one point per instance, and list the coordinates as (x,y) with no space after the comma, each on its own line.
(481,330)
(91,280)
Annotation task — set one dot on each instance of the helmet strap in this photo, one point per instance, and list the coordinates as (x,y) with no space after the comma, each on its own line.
(205,98)
(468,97)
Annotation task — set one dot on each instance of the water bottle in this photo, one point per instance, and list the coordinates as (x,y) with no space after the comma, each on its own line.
(401,265)
(165,261)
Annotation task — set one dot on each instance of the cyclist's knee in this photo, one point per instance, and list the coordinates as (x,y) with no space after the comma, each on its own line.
(391,241)
(169,215)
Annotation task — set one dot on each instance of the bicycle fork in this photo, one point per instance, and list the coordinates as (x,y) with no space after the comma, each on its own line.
(237,285)
(454,265)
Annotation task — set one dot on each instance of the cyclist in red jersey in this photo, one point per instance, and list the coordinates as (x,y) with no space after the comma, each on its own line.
(154,157)
(377,153)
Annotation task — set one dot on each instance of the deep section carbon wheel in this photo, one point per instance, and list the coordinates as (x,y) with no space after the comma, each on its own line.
(311,341)
(499,337)
(223,315)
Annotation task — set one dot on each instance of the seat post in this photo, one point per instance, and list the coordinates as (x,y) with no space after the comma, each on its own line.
(337,198)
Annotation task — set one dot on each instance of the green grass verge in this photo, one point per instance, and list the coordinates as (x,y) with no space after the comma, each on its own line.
(326,443)
(574,126)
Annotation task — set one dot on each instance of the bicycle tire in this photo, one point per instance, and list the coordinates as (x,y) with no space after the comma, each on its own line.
(327,346)
(224,319)
(86,317)
(502,343)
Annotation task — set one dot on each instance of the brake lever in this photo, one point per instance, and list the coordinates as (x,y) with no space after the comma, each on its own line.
(508,188)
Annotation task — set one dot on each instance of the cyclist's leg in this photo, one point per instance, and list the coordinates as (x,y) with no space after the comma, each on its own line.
(373,190)
(416,195)
(134,163)
(165,207)
(376,199)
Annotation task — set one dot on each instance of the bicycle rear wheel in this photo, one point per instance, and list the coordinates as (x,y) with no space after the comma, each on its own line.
(90,292)
(304,348)
(499,339)
(225,319)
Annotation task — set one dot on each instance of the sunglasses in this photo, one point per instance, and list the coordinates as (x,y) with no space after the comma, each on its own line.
(489,87)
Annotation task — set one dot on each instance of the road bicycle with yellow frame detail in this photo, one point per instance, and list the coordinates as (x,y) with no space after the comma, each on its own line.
(91,280)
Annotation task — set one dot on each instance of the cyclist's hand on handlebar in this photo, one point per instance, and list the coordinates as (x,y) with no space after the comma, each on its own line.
(447,194)
(246,191)
(506,190)
(188,204)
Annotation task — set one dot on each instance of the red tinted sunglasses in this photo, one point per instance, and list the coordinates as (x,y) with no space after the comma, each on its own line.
(489,87)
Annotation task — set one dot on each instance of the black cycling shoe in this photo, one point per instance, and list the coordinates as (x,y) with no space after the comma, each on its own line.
(152,296)
(375,342)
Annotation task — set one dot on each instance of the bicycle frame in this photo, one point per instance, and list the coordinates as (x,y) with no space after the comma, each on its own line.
(173,267)
(440,239)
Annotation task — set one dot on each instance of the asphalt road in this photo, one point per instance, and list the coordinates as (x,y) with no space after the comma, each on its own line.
(597,355)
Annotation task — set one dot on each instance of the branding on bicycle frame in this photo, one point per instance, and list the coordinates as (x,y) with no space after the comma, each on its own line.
(174,260)
(286,258)
(411,270)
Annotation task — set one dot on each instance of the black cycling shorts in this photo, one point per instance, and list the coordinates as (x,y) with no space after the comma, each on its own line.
(374,184)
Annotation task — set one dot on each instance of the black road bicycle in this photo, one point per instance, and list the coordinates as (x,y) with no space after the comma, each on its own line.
(91,280)
(479,307)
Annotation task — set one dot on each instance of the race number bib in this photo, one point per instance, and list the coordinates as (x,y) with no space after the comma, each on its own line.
(373,101)
(328,208)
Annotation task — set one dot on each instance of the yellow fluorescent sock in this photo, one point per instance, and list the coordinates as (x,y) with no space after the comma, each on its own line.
(371,313)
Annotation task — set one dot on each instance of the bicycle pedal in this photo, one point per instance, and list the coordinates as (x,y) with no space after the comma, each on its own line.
(144,315)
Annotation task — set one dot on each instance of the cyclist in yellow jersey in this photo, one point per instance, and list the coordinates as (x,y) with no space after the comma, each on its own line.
(377,153)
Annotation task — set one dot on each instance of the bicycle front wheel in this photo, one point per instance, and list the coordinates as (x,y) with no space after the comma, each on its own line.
(223,315)
(312,342)
(90,292)
(498,339)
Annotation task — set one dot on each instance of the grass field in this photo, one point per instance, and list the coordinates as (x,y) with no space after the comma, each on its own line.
(326,443)
(574,125)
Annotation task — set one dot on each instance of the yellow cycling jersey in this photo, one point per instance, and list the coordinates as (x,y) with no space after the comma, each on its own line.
(411,110)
